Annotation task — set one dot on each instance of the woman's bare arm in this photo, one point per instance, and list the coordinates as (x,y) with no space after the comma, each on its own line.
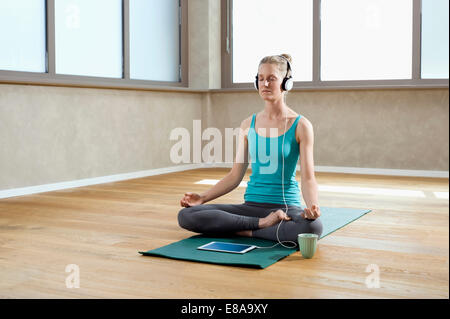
(308,180)
(235,176)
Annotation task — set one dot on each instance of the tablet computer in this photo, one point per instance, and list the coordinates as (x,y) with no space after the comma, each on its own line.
(227,247)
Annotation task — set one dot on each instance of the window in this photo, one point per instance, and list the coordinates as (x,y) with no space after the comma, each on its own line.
(136,44)
(154,22)
(265,27)
(366,40)
(88,37)
(338,43)
(22,32)
(434,39)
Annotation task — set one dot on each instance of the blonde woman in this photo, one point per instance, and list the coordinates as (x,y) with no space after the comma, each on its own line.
(272,195)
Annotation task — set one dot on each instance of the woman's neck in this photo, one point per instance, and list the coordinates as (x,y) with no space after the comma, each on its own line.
(276,110)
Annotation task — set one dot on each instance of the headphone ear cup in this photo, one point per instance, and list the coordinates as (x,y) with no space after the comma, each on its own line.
(283,84)
(288,83)
(256,83)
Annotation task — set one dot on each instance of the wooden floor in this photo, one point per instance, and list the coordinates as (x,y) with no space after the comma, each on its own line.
(101,228)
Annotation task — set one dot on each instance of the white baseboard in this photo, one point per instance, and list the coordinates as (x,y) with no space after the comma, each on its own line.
(381,171)
(120,177)
(362,171)
(93,181)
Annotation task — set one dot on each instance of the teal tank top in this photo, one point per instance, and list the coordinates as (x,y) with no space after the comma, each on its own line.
(266,159)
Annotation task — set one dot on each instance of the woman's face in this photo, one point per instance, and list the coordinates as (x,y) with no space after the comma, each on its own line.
(269,82)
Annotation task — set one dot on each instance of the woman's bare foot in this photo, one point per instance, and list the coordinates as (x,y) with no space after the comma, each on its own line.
(273,218)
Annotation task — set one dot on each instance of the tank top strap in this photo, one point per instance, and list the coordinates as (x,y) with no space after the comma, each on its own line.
(294,125)
(296,120)
(253,121)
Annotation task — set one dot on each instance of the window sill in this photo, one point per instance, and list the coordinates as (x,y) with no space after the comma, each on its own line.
(44,79)
(30,78)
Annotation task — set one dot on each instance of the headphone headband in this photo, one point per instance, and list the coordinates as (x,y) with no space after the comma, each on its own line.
(288,64)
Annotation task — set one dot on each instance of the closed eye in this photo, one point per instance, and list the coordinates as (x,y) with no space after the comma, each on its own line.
(270,79)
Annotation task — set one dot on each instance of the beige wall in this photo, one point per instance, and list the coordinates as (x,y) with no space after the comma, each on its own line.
(204,44)
(390,129)
(57,134)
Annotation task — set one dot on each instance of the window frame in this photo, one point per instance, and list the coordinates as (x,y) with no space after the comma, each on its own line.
(415,82)
(50,77)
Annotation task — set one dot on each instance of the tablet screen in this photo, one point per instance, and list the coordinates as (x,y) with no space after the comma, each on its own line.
(227,247)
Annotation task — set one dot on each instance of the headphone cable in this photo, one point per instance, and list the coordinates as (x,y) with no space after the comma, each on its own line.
(284,199)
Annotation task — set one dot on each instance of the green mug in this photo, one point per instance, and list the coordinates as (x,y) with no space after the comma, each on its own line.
(307,243)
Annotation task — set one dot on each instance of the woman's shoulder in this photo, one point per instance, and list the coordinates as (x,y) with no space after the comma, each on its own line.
(303,127)
(246,123)
(303,120)
(292,114)
(248,120)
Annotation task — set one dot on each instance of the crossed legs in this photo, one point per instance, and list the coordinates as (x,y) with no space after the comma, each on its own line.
(258,220)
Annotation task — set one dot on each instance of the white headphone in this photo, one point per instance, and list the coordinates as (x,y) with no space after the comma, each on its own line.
(287,83)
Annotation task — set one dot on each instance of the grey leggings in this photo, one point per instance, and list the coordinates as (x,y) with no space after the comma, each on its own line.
(227,219)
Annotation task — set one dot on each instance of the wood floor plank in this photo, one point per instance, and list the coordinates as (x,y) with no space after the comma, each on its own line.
(102,227)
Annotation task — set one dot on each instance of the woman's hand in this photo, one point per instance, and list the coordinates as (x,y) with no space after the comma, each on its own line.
(311,213)
(191,199)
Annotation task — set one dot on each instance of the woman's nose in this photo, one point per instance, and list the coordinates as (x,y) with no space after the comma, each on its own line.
(266,83)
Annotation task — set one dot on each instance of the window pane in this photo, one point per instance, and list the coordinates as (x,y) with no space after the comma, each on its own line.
(265,27)
(366,39)
(88,37)
(435,39)
(154,40)
(22,34)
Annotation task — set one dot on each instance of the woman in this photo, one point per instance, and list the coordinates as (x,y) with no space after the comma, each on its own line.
(270,188)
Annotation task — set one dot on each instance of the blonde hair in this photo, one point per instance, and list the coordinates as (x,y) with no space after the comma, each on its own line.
(279,61)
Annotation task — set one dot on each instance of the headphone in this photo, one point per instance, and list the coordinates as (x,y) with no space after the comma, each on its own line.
(287,83)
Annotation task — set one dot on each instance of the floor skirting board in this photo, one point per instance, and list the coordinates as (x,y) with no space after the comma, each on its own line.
(120,177)
(363,171)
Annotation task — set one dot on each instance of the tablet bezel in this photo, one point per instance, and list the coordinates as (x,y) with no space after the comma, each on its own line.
(249,248)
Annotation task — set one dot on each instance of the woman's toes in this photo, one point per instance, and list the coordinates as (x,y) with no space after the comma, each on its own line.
(282,215)
(273,218)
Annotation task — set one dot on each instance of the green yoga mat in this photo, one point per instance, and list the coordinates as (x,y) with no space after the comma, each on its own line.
(186,249)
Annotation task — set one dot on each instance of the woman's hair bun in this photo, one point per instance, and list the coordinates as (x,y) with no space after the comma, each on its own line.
(287,56)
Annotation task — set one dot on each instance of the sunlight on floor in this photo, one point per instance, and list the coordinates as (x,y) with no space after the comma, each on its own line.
(442,195)
(214,182)
(372,191)
(356,190)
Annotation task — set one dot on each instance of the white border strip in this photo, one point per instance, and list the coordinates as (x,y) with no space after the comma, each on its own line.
(365,171)
(381,171)
(93,181)
(120,177)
